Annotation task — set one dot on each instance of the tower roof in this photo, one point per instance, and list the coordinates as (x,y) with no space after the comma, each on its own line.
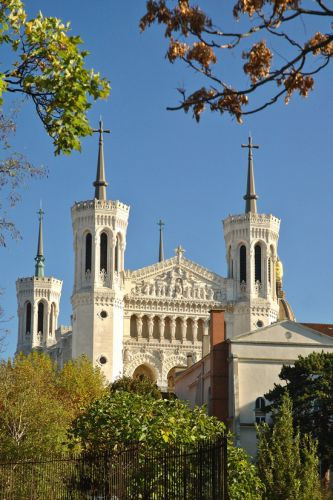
(40,259)
(250,197)
(100,183)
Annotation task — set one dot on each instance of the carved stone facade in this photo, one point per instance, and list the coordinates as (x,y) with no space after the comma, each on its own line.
(151,320)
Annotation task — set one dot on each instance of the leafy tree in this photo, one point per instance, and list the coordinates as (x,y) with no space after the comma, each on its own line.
(122,417)
(38,404)
(79,384)
(203,43)
(287,464)
(140,385)
(31,415)
(49,68)
(310,386)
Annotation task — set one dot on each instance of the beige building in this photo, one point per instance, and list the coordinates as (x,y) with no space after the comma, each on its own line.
(234,376)
(156,319)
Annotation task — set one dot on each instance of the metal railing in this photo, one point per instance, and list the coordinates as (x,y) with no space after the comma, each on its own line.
(188,473)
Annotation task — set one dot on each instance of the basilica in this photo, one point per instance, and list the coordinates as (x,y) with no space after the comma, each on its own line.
(155,320)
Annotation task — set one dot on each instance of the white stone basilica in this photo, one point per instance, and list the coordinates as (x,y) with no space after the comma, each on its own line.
(155,319)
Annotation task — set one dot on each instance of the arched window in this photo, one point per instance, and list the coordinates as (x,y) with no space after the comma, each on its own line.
(104,252)
(40,322)
(28,317)
(260,403)
(259,411)
(88,252)
(230,266)
(257,263)
(116,255)
(242,264)
(52,318)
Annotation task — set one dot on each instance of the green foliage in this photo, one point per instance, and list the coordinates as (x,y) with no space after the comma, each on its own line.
(287,464)
(31,417)
(310,386)
(122,417)
(243,479)
(49,68)
(141,385)
(38,404)
(79,383)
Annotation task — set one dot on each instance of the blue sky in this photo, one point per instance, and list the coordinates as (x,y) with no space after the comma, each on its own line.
(165,165)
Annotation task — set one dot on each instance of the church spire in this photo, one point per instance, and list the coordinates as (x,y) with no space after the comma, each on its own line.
(250,197)
(100,183)
(161,248)
(40,259)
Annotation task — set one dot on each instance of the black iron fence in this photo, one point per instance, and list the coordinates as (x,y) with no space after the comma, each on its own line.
(188,473)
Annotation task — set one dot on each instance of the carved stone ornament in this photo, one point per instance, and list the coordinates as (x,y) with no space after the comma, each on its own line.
(177,284)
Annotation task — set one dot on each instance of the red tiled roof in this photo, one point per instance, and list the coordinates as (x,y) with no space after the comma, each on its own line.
(325,328)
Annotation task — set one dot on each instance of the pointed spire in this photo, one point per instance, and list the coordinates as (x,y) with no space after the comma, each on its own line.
(161,249)
(40,259)
(100,183)
(250,197)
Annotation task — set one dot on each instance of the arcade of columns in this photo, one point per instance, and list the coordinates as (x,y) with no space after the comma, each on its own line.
(154,327)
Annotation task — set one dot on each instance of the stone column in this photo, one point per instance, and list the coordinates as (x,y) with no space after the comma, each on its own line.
(205,326)
(194,329)
(184,327)
(150,327)
(139,326)
(161,327)
(172,328)
(273,277)
(121,256)
(205,337)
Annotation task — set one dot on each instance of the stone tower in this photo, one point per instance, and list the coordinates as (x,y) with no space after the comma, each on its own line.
(99,230)
(251,249)
(38,300)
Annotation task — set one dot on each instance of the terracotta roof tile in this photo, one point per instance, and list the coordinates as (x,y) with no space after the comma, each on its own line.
(325,328)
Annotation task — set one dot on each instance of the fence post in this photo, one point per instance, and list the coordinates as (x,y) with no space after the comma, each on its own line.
(184,476)
(225,468)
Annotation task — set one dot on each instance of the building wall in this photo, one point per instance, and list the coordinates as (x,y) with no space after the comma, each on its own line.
(193,385)
(255,363)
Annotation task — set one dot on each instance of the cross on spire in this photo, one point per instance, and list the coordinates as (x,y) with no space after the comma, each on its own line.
(250,197)
(40,259)
(100,183)
(161,248)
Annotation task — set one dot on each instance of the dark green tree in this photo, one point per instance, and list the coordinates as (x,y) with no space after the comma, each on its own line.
(140,385)
(287,463)
(309,383)
(123,417)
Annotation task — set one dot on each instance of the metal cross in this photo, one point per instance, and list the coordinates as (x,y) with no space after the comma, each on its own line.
(101,131)
(40,213)
(161,224)
(250,146)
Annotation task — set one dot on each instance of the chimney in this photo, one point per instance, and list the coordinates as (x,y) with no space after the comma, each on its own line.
(219,366)
(189,359)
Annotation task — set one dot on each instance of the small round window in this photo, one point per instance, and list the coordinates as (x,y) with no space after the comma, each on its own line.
(103,360)
(260,323)
(104,314)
